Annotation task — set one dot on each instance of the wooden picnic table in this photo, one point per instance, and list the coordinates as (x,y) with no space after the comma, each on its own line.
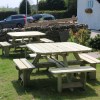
(62,49)
(23,35)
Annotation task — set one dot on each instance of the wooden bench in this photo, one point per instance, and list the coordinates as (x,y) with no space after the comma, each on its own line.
(32,55)
(20,39)
(24,70)
(90,60)
(5,48)
(71,84)
(62,69)
(46,40)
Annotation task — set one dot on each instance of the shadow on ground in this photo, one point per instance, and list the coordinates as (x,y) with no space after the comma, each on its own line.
(46,88)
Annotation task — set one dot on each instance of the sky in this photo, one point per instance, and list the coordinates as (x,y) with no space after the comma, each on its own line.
(13,3)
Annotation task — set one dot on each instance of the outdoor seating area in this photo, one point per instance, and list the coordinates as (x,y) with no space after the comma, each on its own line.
(49,50)
(52,60)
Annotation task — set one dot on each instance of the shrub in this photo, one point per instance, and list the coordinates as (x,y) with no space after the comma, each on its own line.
(5,14)
(81,35)
(95,42)
(58,14)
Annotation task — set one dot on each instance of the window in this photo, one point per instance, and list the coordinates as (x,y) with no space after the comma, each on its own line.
(17,17)
(9,18)
(90,3)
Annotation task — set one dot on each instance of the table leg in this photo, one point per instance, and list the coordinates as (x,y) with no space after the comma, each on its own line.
(65,60)
(59,83)
(92,75)
(36,59)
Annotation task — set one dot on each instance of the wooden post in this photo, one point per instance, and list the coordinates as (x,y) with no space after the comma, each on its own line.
(59,83)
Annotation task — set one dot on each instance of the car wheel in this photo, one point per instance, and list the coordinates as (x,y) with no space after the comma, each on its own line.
(19,25)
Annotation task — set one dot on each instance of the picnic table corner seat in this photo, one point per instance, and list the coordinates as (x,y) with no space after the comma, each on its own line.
(24,68)
(66,70)
(46,40)
(92,60)
(5,48)
(70,69)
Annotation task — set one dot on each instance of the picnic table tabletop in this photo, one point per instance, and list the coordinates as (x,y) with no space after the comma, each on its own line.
(26,34)
(57,47)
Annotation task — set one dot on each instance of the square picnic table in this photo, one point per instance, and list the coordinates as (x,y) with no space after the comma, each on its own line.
(58,48)
(23,35)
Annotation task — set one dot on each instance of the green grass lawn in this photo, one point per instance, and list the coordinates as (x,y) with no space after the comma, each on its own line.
(42,87)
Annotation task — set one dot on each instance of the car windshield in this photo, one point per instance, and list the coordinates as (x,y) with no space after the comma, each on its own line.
(8,18)
(37,16)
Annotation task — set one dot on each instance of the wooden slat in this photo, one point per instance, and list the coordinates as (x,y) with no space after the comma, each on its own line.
(89,58)
(76,47)
(63,47)
(51,48)
(19,64)
(58,47)
(5,43)
(46,40)
(34,48)
(27,63)
(26,39)
(32,55)
(26,34)
(72,70)
(94,54)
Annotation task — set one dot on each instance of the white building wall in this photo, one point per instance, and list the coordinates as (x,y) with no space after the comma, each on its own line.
(92,20)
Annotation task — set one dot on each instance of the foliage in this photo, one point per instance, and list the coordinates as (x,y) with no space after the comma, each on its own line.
(80,36)
(95,42)
(5,14)
(43,84)
(72,7)
(52,5)
(58,14)
(42,5)
(22,7)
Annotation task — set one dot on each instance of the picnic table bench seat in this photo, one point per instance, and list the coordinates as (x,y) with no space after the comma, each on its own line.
(20,39)
(5,48)
(93,61)
(62,69)
(24,70)
(94,54)
(88,58)
(81,79)
(46,40)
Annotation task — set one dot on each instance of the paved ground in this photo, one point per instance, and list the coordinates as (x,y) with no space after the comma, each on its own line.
(94,33)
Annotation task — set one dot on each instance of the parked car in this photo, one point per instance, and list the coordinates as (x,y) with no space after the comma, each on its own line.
(13,21)
(38,17)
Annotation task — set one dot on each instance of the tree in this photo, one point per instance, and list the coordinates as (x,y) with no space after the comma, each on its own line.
(52,5)
(22,7)
(72,7)
(42,5)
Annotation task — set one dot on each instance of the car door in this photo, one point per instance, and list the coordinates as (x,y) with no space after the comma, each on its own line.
(8,22)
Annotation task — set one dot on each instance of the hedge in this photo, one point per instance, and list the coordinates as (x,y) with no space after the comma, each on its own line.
(58,14)
(5,14)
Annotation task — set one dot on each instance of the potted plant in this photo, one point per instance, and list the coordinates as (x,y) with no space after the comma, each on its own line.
(88,10)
